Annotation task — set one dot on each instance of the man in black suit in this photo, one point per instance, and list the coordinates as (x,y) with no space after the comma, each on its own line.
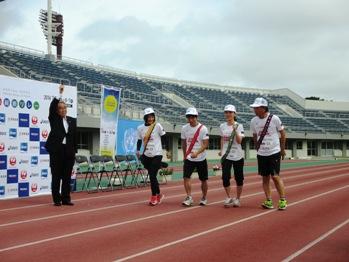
(62,146)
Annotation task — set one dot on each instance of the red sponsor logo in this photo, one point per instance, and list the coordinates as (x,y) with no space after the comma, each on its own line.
(35,120)
(24,174)
(2,147)
(34,187)
(13,160)
(44,134)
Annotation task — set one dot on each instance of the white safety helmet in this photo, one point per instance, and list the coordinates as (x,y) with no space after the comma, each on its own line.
(192,111)
(148,111)
(230,108)
(259,101)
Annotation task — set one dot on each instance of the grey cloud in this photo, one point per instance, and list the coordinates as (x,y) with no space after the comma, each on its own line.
(302,45)
(10,17)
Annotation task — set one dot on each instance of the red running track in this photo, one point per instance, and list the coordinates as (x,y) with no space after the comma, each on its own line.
(120,226)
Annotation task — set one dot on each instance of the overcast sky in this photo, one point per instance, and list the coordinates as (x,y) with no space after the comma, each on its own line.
(302,45)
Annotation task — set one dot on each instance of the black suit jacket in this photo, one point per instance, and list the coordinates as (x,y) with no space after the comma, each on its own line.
(58,133)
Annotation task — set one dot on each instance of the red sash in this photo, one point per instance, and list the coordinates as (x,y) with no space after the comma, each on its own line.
(196,135)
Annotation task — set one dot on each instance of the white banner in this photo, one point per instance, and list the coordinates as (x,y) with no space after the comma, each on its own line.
(24,128)
(110,103)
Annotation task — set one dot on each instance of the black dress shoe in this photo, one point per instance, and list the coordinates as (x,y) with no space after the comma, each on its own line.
(57,204)
(68,203)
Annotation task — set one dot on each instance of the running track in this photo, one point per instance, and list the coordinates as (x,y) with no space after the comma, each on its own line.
(120,226)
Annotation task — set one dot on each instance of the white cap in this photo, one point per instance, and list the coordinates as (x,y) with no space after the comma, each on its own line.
(230,108)
(259,101)
(191,111)
(148,111)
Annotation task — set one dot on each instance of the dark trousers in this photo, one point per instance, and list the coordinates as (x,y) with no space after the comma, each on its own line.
(61,164)
(153,164)
(238,167)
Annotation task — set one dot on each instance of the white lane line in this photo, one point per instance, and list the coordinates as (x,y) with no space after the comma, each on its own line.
(316,241)
(338,167)
(134,203)
(224,226)
(139,219)
(101,197)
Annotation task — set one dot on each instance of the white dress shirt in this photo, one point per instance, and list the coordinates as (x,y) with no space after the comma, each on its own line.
(65,122)
(66,126)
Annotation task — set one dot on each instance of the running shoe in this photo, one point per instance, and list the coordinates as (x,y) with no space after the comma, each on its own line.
(282,204)
(236,202)
(160,197)
(203,201)
(228,202)
(188,201)
(153,201)
(268,204)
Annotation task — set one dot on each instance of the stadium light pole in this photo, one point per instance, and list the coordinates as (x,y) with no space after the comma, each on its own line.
(52,27)
(49,27)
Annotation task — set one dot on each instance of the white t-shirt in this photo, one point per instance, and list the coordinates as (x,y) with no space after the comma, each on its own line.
(188,133)
(154,147)
(236,152)
(271,142)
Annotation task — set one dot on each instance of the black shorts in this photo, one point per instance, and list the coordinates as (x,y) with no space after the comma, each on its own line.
(238,167)
(201,167)
(269,165)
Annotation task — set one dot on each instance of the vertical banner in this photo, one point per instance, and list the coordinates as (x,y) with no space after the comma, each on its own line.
(110,103)
(24,128)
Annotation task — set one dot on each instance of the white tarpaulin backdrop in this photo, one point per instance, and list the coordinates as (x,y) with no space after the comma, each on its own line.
(24,128)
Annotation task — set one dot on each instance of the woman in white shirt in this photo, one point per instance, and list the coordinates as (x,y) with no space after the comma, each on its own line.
(150,134)
(232,155)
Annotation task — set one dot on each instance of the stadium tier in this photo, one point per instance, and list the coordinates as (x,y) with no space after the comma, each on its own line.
(168,97)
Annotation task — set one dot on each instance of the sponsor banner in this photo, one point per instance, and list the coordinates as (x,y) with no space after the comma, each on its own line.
(24,128)
(110,102)
(2,191)
(11,190)
(23,189)
(3,177)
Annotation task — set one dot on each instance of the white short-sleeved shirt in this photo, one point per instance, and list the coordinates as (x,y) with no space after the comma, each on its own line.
(271,142)
(154,146)
(236,152)
(188,133)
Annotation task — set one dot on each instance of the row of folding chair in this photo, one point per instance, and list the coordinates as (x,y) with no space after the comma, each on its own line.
(120,172)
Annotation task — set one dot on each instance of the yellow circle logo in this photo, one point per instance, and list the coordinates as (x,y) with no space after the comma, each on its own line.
(110,104)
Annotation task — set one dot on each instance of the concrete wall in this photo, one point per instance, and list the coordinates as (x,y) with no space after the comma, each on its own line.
(338,152)
(95,143)
(327,105)
(213,154)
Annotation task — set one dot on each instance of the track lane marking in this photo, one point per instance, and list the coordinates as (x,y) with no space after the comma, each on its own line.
(316,241)
(139,202)
(32,243)
(338,166)
(224,226)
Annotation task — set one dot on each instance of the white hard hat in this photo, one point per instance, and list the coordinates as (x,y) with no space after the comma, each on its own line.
(259,101)
(191,111)
(148,111)
(230,108)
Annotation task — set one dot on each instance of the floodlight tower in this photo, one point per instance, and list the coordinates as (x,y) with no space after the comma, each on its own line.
(52,26)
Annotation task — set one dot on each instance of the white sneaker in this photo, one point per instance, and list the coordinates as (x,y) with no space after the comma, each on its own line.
(203,202)
(236,202)
(188,201)
(228,202)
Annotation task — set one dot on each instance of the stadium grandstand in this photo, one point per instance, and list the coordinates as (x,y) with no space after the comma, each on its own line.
(314,128)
